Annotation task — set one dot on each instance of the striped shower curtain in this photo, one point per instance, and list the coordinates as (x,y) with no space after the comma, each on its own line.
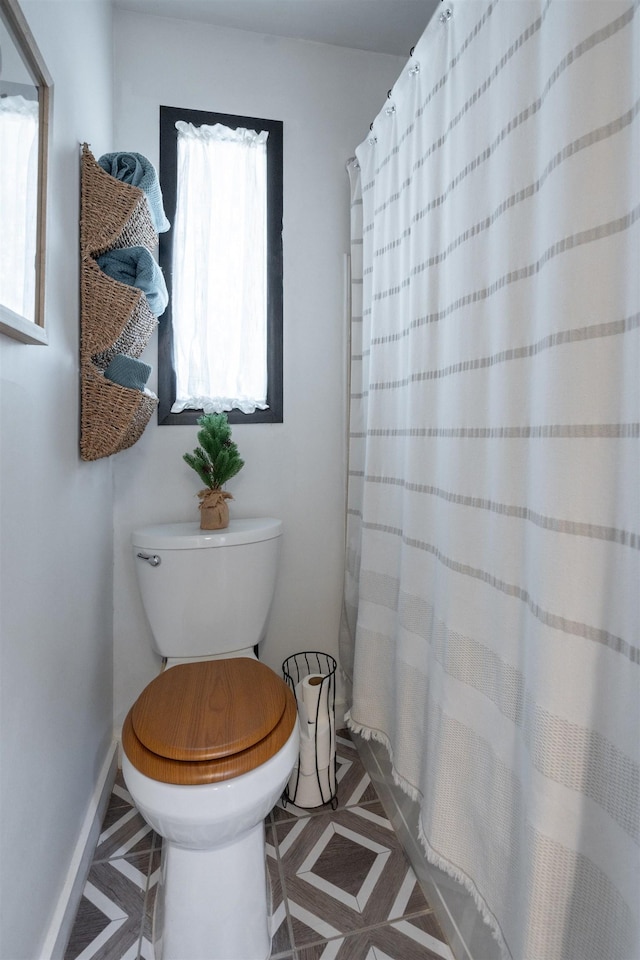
(492,613)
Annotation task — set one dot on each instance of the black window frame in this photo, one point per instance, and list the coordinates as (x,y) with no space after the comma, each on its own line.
(168,184)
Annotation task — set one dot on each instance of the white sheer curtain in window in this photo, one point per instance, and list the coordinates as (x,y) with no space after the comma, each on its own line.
(18,203)
(219,269)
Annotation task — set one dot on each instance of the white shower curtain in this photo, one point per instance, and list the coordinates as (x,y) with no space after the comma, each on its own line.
(492,612)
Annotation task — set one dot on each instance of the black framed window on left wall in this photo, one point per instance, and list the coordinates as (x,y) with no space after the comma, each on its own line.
(168,171)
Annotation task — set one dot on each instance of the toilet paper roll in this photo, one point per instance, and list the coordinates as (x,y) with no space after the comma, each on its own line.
(316,747)
(302,708)
(315,696)
(305,790)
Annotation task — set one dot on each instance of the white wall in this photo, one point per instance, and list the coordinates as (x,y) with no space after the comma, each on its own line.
(326,96)
(55,526)
(61,608)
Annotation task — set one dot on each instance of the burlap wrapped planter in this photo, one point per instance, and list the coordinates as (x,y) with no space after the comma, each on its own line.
(214,512)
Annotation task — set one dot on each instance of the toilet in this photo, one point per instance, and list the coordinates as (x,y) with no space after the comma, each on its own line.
(210,743)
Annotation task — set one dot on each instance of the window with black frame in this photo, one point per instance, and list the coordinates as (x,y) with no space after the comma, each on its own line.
(220,340)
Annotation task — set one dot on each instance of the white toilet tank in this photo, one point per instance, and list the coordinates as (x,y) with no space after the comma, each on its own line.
(207,592)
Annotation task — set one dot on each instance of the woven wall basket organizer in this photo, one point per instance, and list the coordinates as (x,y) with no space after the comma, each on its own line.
(114,317)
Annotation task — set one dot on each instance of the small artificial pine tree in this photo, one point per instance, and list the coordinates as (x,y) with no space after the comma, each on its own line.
(216,460)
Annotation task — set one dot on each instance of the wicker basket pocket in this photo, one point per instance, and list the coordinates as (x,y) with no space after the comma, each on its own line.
(115,317)
(133,337)
(112,417)
(114,214)
(137,424)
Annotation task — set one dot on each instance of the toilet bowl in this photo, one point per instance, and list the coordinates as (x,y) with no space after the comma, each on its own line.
(207,750)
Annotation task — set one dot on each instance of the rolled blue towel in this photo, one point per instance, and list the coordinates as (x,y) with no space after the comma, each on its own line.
(135,169)
(136,266)
(128,372)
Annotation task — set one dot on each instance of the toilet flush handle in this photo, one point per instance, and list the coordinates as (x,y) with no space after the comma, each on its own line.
(153,560)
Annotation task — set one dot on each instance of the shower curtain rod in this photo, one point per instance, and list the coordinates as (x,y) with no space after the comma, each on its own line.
(445,16)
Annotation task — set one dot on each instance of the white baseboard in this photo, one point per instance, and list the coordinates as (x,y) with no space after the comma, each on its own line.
(57,936)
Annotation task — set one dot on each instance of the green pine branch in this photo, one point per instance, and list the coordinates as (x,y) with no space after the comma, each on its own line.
(216,460)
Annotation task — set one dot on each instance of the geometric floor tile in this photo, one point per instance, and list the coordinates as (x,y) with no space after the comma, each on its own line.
(110,916)
(95,923)
(125,833)
(388,942)
(112,922)
(344,872)
(280,931)
(341,886)
(323,867)
(354,785)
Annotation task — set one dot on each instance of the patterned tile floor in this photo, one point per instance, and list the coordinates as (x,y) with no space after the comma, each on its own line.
(342,886)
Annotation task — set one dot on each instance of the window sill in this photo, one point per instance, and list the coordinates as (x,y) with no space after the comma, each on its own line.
(190,417)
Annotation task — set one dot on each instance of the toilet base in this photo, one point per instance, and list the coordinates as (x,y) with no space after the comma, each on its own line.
(214,904)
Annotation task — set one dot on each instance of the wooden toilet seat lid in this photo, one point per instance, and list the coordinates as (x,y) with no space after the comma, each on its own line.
(209,710)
